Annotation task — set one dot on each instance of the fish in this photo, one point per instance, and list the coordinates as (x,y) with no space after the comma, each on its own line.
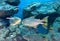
(31,22)
(14,21)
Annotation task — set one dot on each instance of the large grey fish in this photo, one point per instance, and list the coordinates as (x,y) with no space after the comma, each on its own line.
(32,22)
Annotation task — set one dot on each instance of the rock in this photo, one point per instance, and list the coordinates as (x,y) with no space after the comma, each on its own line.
(7,10)
(38,9)
(13,2)
(53,36)
(3,33)
(56,25)
(4,23)
(27,10)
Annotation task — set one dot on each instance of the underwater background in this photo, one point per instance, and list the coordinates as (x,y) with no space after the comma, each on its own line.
(36,20)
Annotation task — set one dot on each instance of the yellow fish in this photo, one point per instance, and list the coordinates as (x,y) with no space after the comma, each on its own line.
(14,21)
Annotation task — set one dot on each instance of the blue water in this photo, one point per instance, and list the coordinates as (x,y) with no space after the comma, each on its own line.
(24,3)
